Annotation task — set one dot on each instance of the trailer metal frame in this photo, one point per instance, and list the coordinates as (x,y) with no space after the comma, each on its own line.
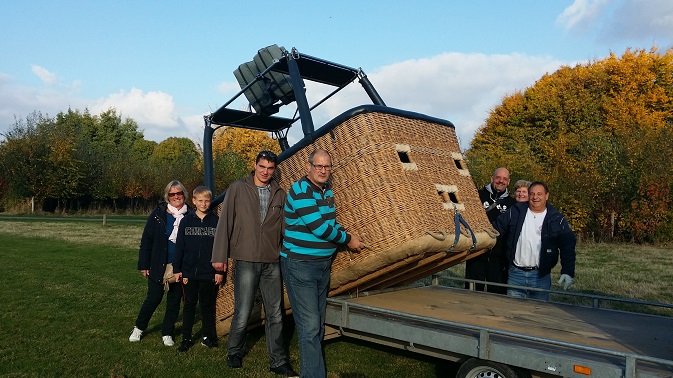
(457,341)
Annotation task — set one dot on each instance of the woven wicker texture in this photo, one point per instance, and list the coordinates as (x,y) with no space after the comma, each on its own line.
(396,183)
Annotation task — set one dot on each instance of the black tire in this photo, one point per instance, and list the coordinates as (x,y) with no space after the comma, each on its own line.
(476,368)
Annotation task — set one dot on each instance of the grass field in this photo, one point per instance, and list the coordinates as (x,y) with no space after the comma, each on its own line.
(71,292)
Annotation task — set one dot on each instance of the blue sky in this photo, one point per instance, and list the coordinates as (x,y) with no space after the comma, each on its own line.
(168,63)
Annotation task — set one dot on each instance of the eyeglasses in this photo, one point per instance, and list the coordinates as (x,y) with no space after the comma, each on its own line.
(176,194)
(267,155)
(319,167)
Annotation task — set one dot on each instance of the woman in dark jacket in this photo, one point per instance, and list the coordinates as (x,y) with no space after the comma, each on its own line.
(157,249)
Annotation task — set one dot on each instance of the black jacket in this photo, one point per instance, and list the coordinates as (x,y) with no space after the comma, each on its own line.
(557,238)
(495,203)
(194,246)
(153,252)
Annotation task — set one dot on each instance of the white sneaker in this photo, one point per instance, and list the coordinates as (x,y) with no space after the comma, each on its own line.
(168,340)
(136,335)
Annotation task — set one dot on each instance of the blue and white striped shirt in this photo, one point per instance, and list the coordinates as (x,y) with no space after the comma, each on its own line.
(311,230)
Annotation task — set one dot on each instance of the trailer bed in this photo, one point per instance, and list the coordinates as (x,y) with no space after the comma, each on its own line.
(541,336)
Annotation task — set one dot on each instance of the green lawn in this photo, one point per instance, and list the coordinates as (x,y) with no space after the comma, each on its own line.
(71,293)
(639,272)
(69,307)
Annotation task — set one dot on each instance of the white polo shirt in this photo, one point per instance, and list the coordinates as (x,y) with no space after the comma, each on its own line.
(530,240)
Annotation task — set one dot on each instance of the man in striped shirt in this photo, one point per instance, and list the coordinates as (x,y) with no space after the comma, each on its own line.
(310,240)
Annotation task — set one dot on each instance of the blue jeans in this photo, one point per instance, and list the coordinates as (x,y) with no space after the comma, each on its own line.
(307,283)
(528,278)
(248,276)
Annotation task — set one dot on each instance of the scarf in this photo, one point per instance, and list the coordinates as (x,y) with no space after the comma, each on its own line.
(178,214)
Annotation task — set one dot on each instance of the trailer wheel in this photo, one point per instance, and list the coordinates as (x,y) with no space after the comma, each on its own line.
(476,368)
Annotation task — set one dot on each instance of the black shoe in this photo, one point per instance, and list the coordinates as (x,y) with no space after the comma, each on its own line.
(234,361)
(185,344)
(284,370)
(209,342)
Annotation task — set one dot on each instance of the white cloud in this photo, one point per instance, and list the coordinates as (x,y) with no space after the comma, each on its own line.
(193,128)
(581,13)
(17,101)
(636,22)
(461,88)
(648,20)
(153,111)
(155,108)
(44,75)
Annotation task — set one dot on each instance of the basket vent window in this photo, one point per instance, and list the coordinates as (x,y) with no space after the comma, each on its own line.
(459,161)
(404,156)
(448,196)
(453,198)
(405,159)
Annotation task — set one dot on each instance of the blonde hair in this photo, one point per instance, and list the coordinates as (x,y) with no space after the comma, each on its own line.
(199,190)
(175,184)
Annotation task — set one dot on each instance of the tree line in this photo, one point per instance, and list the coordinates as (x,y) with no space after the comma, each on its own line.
(601,135)
(77,161)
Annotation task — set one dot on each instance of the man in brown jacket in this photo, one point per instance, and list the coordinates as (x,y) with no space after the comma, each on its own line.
(250,232)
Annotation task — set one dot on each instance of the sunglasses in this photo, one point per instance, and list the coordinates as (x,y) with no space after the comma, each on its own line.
(267,155)
(176,194)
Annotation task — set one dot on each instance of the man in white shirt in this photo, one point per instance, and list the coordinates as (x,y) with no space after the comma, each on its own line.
(536,235)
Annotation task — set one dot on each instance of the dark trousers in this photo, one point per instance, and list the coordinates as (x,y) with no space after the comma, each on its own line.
(487,267)
(155,293)
(204,292)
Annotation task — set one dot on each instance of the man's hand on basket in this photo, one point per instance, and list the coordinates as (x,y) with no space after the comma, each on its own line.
(355,244)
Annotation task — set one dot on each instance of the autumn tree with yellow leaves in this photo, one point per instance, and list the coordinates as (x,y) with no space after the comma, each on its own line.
(234,153)
(244,142)
(601,135)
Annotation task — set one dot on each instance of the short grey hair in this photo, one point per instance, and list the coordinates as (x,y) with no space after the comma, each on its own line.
(317,152)
(521,184)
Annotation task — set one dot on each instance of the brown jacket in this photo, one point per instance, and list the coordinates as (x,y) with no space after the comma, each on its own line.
(240,235)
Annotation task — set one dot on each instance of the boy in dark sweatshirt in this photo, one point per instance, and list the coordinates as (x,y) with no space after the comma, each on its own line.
(192,267)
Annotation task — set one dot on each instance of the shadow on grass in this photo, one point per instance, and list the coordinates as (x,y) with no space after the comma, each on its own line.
(353,358)
(423,364)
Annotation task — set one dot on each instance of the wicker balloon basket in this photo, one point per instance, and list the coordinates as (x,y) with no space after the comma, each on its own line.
(401,183)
